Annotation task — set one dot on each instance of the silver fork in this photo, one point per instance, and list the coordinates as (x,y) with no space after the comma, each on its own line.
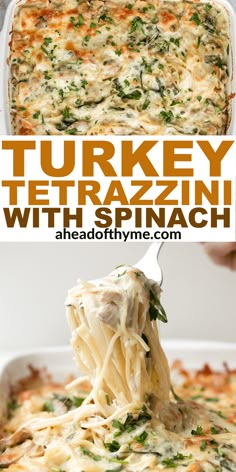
(149,263)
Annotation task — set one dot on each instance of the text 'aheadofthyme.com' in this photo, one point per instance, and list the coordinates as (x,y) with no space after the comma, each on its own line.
(114,234)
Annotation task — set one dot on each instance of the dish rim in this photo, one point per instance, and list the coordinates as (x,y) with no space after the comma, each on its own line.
(170,347)
(186,350)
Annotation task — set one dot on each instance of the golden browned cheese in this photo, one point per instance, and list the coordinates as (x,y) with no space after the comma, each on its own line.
(120,67)
(132,441)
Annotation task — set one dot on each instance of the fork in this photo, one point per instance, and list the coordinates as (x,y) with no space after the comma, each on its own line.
(149,263)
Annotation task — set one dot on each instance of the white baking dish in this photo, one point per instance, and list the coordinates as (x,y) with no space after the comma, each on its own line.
(59,361)
(5,37)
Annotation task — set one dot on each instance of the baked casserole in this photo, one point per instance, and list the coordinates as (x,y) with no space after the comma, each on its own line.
(120,67)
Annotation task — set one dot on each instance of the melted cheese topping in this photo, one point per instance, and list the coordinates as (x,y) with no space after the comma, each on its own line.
(135,441)
(119,67)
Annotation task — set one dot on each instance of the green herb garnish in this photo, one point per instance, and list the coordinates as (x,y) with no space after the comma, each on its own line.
(113,446)
(47,41)
(162,46)
(146,104)
(131,422)
(136,24)
(86,39)
(208,7)
(167,116)
(84,83)
(79,22)
(172,462)
(203,445)
(48,406)
(214,430)
(36,115)
(134,95)
(106,18)
(68,117)
(198,431)
(147,67)
(195,17)
(71,131)
(176,41)
(13,405)
(156,310)
(141,438)
(90,454)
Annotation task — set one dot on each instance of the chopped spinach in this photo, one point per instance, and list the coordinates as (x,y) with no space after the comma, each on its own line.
(162,46)
(214,430)
(195,17)
(134,95)
(106,18)
(167,116)
(141,438)
(131,421)
(136,24)
(146,104)
(156,310)
(172,462)
(68,117)
(203,446)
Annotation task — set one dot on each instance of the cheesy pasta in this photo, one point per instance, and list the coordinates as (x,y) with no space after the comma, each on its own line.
(123,67)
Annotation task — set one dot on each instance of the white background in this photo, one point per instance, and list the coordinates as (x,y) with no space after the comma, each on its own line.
(199,297)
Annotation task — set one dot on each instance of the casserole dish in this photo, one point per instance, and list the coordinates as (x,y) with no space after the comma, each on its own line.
(55,430)
(171,120)
(59,361)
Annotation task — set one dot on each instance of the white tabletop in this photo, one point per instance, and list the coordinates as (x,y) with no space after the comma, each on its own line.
(2,12)
(5,356)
